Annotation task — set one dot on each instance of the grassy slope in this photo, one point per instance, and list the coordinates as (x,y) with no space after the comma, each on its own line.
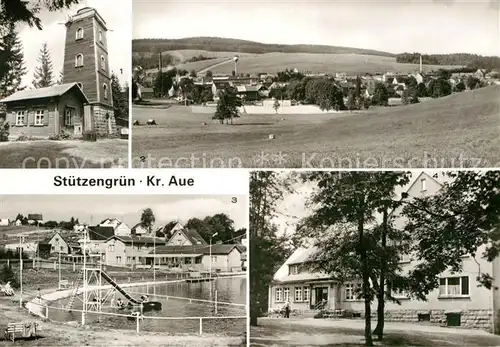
(436,133)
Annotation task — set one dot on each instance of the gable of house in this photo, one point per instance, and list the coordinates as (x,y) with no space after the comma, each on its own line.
(186,237)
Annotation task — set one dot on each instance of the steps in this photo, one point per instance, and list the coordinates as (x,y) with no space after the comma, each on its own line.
(74,291)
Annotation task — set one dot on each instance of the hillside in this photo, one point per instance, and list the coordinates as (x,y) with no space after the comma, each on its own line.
(460,130)
(315,63)
(217,44)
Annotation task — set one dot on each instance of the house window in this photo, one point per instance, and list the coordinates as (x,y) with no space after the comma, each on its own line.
(39,117)
(423,184)
(111,248)
(294,269)
(214,259)
(454,286)
(128,260)
(351,290)
(105,87)
(100,35)
(118,259)
(286,294)
(20,118)
(60,248)
(69,116)
(79,60)
(103,63)
(404,258)
(79,34)
(279,294)
(298,294)
(306,294)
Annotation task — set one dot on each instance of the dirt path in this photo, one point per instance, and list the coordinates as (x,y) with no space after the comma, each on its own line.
(348,332)
(214,66)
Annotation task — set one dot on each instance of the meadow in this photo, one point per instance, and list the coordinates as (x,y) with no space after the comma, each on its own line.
(461,130)
(351,64)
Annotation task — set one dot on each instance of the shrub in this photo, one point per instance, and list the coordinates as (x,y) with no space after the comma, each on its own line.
(22,137)
(4,130)
(8,275)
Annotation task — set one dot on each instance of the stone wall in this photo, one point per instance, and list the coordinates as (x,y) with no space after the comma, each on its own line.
(469,319)
(101,123)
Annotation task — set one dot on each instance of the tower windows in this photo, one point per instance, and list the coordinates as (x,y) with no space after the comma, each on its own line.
(103,63)
(79,34)
(105,87)
(100,35)
(79,60)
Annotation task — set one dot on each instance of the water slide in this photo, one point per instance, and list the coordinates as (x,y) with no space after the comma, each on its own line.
(120,289)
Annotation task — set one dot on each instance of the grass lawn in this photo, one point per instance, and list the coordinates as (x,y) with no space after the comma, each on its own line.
(317,63)
(105,153)
(461,130)
(317,332)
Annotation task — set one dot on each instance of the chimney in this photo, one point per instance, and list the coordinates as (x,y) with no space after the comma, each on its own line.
(421,63)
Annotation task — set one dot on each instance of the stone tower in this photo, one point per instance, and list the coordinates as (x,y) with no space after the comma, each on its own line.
(86,63)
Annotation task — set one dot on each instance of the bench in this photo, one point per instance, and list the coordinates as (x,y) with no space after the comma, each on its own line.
(64,284)
(25,330)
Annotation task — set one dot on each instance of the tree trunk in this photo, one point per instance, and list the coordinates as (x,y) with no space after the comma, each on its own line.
(379,330)
(366,282)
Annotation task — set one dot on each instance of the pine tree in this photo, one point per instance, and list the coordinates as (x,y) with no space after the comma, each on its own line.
(13,66)
(120,102)
(44,74)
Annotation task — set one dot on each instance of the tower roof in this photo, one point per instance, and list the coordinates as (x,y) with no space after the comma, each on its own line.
(87,12)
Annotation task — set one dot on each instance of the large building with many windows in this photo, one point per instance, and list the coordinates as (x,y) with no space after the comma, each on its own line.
(459,301)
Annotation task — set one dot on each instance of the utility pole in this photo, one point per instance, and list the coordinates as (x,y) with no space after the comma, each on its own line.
(21,240)
(210,252)
(59,286)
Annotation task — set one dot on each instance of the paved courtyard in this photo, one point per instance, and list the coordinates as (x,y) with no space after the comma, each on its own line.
(346,332)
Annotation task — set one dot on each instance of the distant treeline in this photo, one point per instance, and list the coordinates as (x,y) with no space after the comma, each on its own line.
(216,44)
(151,62)
(198,58)
(472,61)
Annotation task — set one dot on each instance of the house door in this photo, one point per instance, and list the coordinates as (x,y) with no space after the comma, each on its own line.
(321,294)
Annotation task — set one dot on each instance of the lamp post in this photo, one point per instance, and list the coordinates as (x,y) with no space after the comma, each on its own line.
(210,275)
(59,285)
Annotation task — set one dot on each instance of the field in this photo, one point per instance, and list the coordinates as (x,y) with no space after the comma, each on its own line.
(351,64)
(44,154)
(460,130)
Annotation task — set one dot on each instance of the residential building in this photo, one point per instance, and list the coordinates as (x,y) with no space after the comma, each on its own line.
(35,218)
(119,227)
(96,238)
(459,300)
(86,62)
(185,237)
(250,92)
(128,250)
(138,230)
(4,222)
(217,257)
(60,243)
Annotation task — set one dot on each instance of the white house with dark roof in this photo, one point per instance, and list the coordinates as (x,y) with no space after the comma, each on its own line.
(459,300)
(185,237)
(119,227)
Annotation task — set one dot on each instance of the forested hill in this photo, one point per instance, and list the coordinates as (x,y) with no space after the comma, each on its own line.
(217,44)
(474,61)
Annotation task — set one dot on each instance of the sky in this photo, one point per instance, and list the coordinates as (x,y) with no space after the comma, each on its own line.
(430,27)
(117,18)
(293,207)
(92,209)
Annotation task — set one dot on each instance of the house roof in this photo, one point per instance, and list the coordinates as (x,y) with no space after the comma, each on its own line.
(137,240)
(191,235)
(48,92)
(35,216)
(248,88)
(101,233)
(217,249)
